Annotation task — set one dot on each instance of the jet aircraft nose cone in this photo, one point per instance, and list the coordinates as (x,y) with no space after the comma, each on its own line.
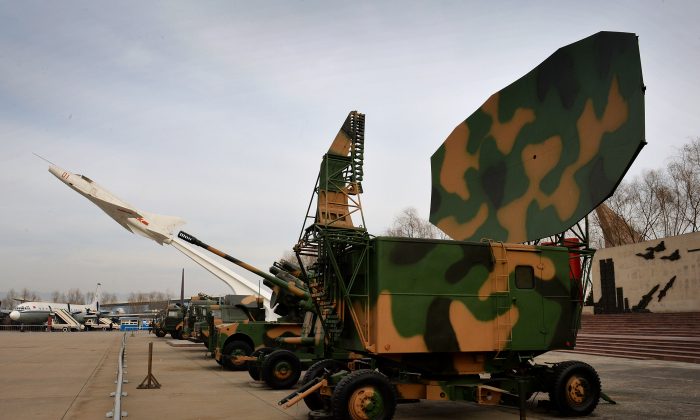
(56,171)
(14,315)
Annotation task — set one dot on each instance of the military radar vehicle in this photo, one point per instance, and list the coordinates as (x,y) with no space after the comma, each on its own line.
(464,319)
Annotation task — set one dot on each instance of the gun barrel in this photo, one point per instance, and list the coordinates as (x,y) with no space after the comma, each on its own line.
(289,285)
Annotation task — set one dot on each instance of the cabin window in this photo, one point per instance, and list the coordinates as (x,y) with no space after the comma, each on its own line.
(524,277)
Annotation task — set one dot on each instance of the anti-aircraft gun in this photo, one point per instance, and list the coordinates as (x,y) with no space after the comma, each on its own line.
(275,352)
(464,319)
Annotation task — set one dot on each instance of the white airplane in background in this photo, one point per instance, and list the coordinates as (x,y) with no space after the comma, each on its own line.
(153,226)
(38,312)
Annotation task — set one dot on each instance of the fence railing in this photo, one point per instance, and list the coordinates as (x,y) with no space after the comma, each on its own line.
(56,328)
(118,394)
(42,328)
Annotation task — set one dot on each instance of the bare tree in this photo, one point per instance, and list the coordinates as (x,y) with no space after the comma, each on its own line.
(140,297)
(291,257)
(684,173)
(57,296)
(108,297)
(660,203)
(75,296)
(409,224)
(27,294)
(9,301)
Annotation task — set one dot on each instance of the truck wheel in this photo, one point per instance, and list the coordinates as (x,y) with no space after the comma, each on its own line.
(175,334)
(64,329)
(253,367)
(235,348)
(364,394)
(316,401)
(160,333)
(575,388)
(281,369)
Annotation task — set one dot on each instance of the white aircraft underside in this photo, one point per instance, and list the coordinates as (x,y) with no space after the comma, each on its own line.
(157,227)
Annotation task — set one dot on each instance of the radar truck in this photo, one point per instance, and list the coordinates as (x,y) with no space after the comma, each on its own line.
(464,319)
(406,319)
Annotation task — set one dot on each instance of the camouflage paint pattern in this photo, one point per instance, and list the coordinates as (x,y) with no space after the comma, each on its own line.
(256,334)
(461,301)
(344,158)
(546,150)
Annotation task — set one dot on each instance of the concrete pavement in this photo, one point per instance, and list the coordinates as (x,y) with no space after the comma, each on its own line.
(70,376)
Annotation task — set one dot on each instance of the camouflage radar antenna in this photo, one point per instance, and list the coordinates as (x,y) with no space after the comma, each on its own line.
(542,153)
(329,230)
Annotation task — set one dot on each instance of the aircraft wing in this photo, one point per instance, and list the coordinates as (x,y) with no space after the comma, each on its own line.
(119,213)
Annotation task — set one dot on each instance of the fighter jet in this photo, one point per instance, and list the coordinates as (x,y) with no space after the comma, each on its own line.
(153,226)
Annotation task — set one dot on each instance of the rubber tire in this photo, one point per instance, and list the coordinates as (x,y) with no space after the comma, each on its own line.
(315,401)
(558,391)
(362,378)
(160,333)
(275,360)
(175,334)
(253,369)
(229,349)
(64,329)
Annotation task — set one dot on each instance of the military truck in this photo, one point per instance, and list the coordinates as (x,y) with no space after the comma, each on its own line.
(195,312)
(234,308)
(463,320)
(173,321)
(157,323)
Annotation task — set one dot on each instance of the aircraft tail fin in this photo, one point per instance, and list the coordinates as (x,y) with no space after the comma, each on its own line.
(166,224)
(97,298)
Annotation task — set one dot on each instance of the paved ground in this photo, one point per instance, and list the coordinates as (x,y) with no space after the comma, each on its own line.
(70,376)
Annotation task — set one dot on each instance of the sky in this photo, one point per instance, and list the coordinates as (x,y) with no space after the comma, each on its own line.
(219,112)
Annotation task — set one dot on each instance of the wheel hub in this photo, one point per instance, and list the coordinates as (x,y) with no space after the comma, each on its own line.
(576,389)
(364,403)
(283,370)
(235,360)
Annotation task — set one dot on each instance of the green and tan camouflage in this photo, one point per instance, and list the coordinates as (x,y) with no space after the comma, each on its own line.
(481,306)
(463,320)
(174,320)
(233,308)
(196,312)
(538,155)
(298,330)
(157,323)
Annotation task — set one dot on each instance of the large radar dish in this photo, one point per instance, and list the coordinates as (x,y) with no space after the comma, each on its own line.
(542,153)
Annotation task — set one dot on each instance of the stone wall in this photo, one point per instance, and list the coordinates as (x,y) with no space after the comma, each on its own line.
(659,276)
